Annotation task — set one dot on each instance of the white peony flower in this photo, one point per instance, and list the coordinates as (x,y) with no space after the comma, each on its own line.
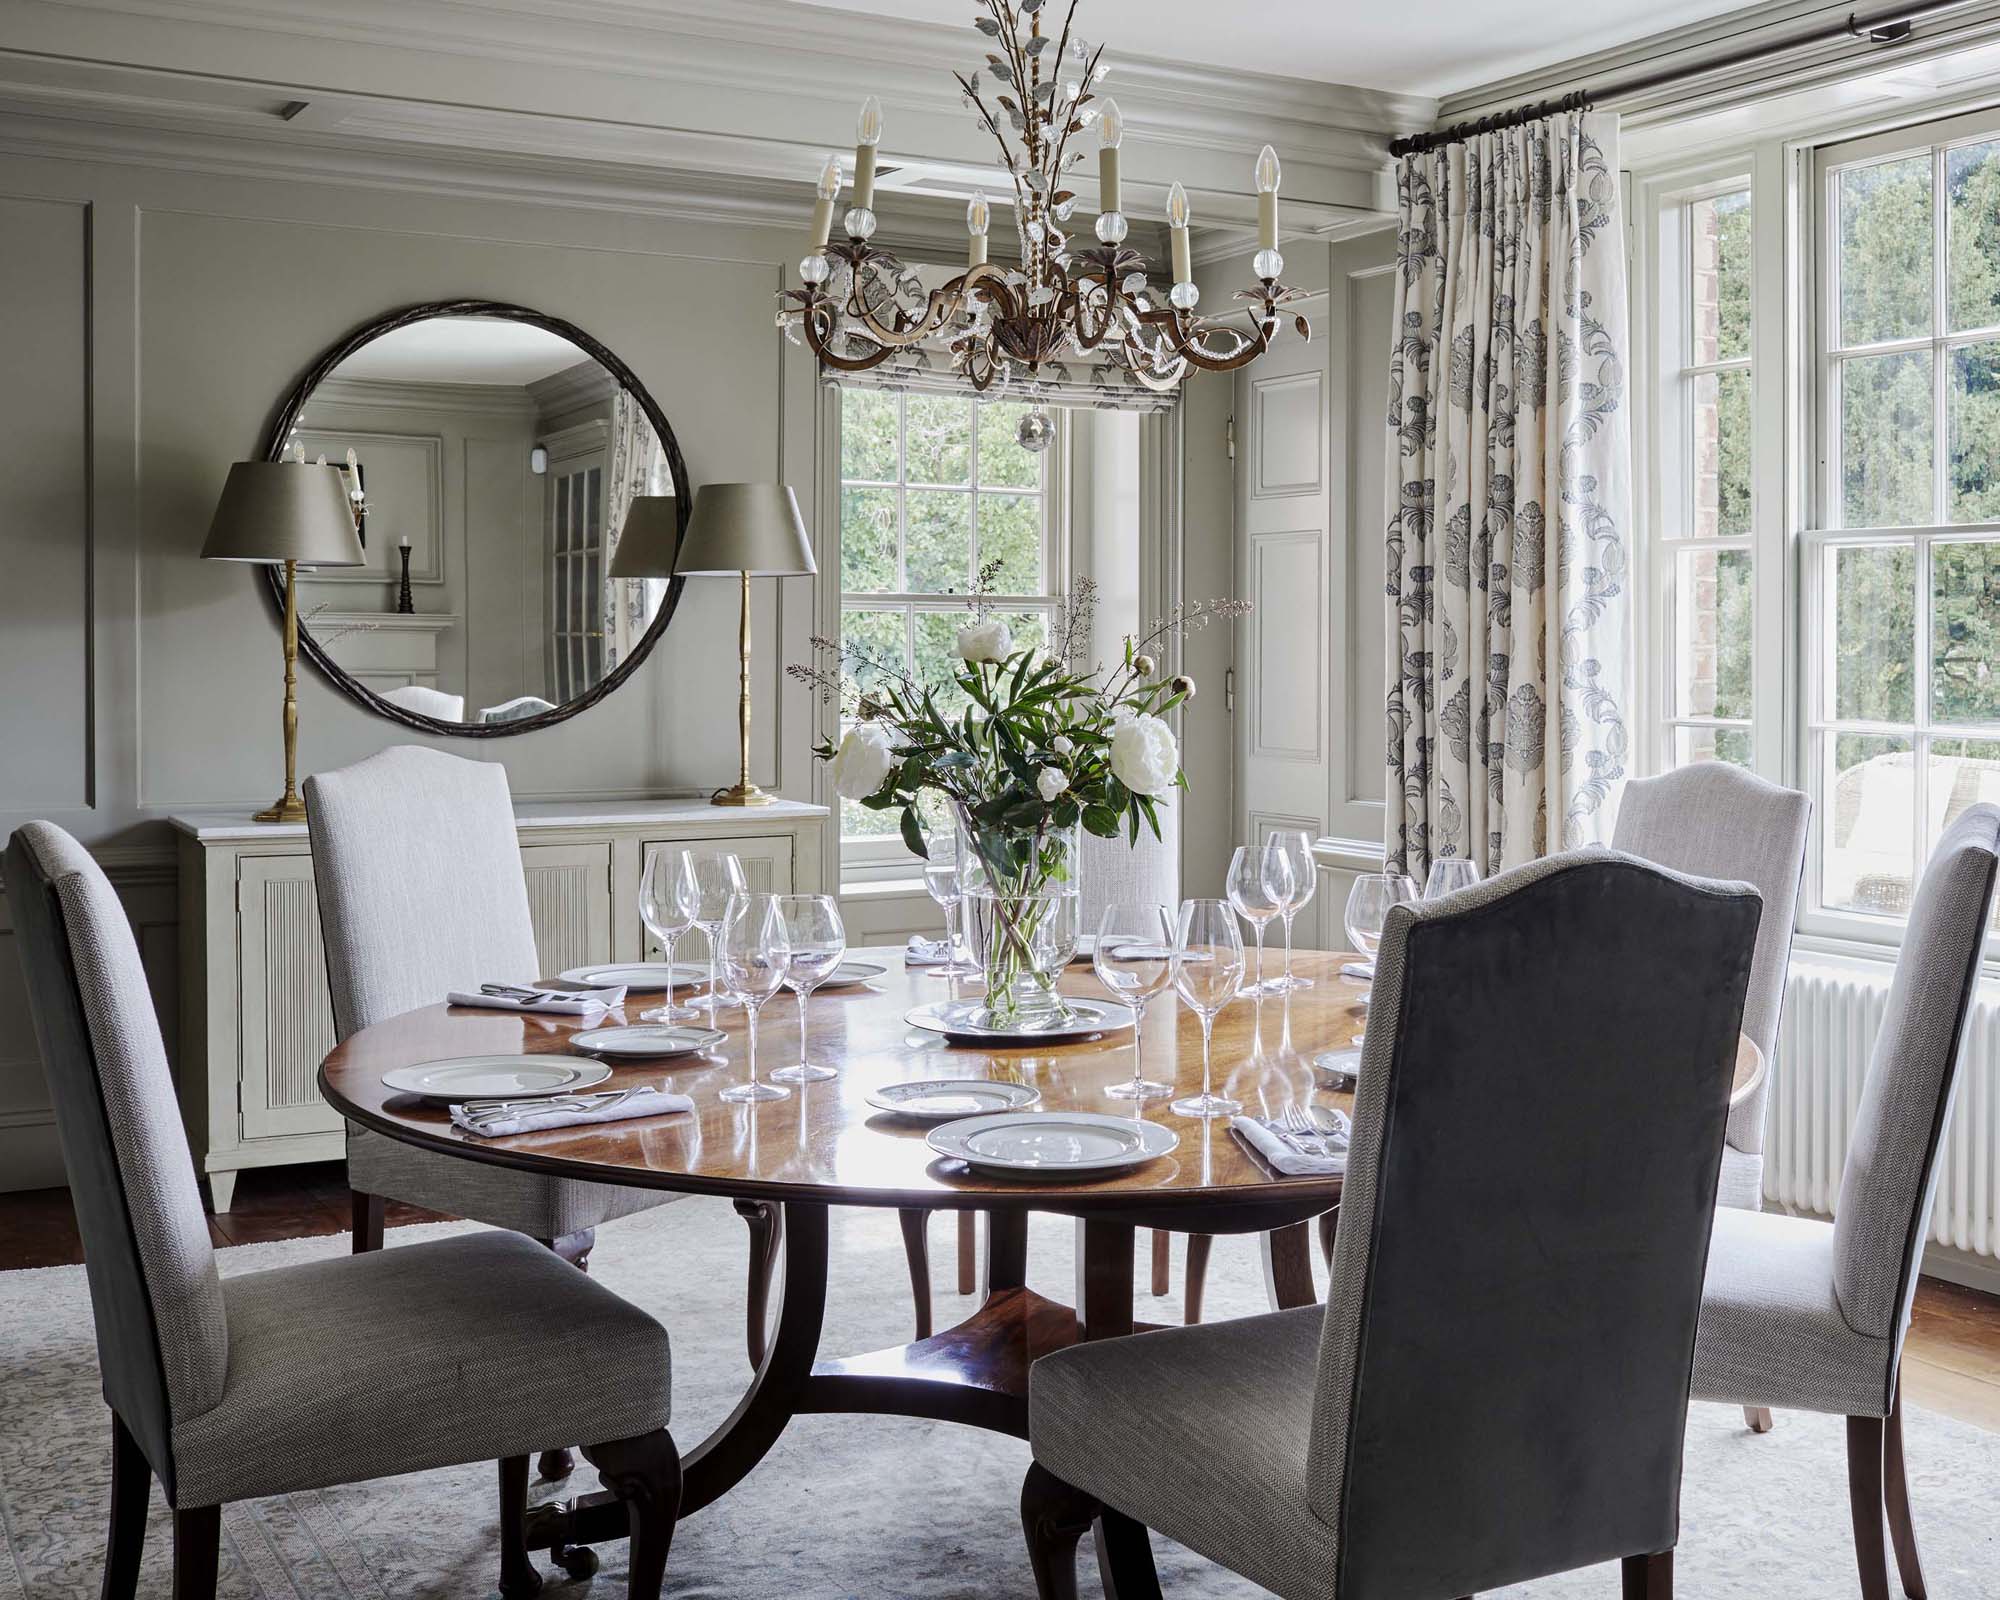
(1051,781)
(984,641)
(1061,745)
(863,760)
(1144,756)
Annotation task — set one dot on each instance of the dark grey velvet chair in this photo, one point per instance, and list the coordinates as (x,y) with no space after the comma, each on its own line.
(1798,1312)
(1497,1387)
(298,1378)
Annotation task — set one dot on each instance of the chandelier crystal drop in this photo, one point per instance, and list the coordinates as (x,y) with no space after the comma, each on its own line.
(858,306)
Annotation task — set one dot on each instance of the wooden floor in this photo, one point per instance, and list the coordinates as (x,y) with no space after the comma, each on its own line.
(1951,1362)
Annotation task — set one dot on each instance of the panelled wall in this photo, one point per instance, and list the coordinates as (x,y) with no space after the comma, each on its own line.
(153,319)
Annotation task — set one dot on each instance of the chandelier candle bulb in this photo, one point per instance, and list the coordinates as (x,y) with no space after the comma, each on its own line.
(867,135)
(1177,222)
(1267,198)
(1110,135)
(828,191)
(977,219)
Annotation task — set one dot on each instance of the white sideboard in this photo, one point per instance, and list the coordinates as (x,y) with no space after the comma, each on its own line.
(256,1020)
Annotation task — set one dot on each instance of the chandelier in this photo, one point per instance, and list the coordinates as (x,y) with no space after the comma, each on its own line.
(1013,327)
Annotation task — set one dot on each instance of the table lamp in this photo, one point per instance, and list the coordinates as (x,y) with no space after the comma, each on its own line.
(285,511)
(745,530)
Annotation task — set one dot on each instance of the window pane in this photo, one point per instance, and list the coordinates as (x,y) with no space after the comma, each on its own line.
(1965,631)
(1962,773)
(939,554)
(879,636)
(936,633)
(1885,441)
(937,447)
(1867,866)
(1721,229)
(1010,532)
(1003,464)
(1885,251)
(868,434)
(1871,618)
(1712,744)
(1712,634)
(867,540)
(1973,494)
(1972,249)
(1721,454)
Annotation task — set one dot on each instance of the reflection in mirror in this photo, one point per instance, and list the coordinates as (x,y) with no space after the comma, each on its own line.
(496,459)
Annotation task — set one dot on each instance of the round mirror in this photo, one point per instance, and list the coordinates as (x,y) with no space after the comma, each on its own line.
(496,457)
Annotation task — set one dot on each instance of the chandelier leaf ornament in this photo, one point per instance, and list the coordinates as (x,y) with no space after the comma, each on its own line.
(1012,328)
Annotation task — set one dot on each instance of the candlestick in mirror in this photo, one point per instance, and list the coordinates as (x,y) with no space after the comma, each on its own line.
(405,604)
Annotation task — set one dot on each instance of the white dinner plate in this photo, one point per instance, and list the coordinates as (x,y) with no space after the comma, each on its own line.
(637,974)
(1052,1144)
(959,1019)
(951,1099)
(1342,1068)
(497,1077)
(646,1041)
(849,973)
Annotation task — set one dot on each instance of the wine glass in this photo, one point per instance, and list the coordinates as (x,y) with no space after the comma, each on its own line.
(946,883)
(1211,967)
(818,940)
(1368,904)
(754,954)
(1296,844)
(660,909)
(1135,959)
(1260,882)
(703,885)
(1449,874)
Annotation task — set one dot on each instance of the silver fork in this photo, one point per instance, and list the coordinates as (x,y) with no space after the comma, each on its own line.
(1296,1126)
(501,1110)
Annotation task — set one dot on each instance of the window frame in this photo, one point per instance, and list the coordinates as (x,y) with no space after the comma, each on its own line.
(886,858)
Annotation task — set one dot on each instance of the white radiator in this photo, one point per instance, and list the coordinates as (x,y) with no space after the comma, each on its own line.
(1831,1018)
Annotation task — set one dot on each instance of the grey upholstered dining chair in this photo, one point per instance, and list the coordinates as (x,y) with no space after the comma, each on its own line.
(300,1377)
(1497,1386)
(1798,1312)
(1714,820)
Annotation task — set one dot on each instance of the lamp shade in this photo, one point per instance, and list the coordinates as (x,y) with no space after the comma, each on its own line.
(650,538)
(752,528)
(284,511)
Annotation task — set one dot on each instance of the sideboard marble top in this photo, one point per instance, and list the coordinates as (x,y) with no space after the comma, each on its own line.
(219,827)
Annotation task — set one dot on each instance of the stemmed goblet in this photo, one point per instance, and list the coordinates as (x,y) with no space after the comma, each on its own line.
(1135,959)
(755,955)
(665,918)
(818,940)
(1368,904)
(1296,844)
(1209,972)
(1260,882)
(945,880)
(1449,874)
(703,885)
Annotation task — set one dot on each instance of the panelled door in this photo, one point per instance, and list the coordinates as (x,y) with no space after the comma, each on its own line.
(569,900)
(285,1013)
(767,868)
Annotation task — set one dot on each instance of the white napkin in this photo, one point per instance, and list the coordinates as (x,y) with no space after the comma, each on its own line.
(1282,1158)
(643,1102)
(559,1004)
(1364,970)
(922,952)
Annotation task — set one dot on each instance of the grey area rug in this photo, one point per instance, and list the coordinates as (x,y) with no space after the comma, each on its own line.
(850,1508)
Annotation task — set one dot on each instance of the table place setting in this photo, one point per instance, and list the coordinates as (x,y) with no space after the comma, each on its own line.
(569,998)
(1303,1142)
(496,1119)
(1051,1144)
(950,1099)
(647,1041)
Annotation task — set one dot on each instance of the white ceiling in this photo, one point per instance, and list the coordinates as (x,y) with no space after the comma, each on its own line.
(1433,47)
(463,350)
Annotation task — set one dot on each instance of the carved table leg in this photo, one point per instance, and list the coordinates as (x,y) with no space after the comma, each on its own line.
(764,1223)
(1006,1250)
(968,1252)
(1104,1257)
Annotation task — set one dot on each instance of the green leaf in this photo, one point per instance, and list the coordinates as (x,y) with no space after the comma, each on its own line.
(1101,820)
(913,833)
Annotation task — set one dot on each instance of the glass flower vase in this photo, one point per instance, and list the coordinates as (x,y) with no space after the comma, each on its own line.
(1022,904)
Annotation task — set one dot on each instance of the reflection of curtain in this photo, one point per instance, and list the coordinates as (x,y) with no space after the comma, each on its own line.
(1509,459)
(637,466)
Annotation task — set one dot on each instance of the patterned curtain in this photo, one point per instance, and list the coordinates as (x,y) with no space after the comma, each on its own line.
(1509,451)
(637,465)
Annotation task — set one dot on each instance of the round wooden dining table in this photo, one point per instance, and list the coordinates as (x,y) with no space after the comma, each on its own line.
(824,1146)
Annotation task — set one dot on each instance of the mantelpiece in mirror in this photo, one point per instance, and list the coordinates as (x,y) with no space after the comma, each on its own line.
(504,446)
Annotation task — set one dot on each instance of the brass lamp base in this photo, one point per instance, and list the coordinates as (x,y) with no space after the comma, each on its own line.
(741,794)
(290,809)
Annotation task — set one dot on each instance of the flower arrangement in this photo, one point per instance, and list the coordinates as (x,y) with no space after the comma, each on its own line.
(1037,746)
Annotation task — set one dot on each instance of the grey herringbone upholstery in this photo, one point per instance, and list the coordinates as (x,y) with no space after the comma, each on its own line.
(365,1366)
(1713,820)
(1812,1314)
(1497,1388)
(418,871)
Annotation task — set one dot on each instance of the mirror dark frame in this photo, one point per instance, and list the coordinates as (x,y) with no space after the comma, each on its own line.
(500,310)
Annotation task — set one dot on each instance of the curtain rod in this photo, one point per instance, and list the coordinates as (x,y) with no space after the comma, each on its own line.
(1893,26)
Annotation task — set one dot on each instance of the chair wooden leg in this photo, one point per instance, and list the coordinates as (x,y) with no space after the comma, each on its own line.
(1759,1419)
(1197,1274)
(1054,1517)
(1125,1558)
(1163,1261)
(131,1489)
(764,1222)
(968,1252)
(645,1473)
(1649,1577)
(366,1210)
(916,1222)
(518,1577)
(1896,1496)
(197,1552)
(1864,1498)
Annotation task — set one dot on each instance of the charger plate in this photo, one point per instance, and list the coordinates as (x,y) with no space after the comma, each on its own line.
(1052,1144)
(958,1019)
(497,1077)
